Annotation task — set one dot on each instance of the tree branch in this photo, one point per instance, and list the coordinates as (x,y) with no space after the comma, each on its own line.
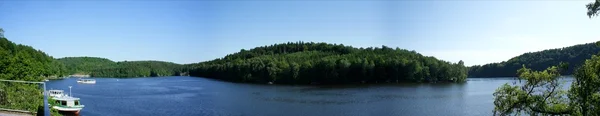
(551,112)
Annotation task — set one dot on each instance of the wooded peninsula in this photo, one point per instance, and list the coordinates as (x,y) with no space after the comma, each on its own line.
(322,63)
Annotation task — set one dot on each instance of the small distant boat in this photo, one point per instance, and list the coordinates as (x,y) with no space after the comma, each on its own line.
(65,103)
(86,81)
(46,80)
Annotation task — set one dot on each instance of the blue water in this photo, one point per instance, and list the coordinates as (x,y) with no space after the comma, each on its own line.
(193,96)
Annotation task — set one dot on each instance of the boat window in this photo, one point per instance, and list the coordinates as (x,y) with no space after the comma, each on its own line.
(77,102)
(57,102)
(64,103)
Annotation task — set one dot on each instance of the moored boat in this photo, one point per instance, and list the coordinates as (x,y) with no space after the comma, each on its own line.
(86,81)
(65,103)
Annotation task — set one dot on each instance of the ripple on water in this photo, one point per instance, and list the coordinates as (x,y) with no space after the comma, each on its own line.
(187,88)
(400,96)
(170,96)
(307,101)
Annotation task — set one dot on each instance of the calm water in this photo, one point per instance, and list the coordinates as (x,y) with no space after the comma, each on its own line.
(183,96)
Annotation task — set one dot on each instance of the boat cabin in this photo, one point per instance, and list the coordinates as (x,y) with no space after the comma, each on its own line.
(56,93)
(67,101)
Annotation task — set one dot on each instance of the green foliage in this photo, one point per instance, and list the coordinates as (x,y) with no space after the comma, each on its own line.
(101,67)
(20,62)
(593,8)
(321,63)
(85,65)
(584,89)
(139,69)
(20,96)
(573,55)
(539,94)
(53,112)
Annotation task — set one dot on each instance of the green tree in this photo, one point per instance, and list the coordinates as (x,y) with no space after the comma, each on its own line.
(593,8)
(584,91)
(21,62)
(539,94)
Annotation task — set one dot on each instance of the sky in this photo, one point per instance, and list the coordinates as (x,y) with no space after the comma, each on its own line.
(191,31)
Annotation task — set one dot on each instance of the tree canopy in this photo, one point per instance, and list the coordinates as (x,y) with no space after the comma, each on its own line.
(322,63)
(85,65)
(593,8)
(102,67)
(139,69)
(21,62)
(541,92)
(584,91)
(573,55)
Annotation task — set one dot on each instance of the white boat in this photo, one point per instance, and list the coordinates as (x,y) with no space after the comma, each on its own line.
(86,81)
(65,103)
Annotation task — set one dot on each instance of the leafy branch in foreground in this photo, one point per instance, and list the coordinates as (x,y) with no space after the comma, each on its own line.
(585,92)
(538,93)
(541,93)
(593,8)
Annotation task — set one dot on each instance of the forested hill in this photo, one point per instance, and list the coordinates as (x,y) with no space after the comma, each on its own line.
(21,62)
(321,63)
(139,69)
(85,65)
(102,67)
(573,55)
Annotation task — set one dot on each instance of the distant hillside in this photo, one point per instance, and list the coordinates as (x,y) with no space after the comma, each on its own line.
(322,63)
(139,69)
(85,65)
(102,67)
(574,55)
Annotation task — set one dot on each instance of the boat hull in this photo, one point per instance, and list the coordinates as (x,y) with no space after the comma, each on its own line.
(69,113)
(67,109)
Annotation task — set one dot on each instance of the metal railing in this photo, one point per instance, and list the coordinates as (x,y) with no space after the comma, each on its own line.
(46,107)
(18,111)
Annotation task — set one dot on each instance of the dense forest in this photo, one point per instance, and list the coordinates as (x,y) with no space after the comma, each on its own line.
(139,69)
(20,62)
(573,55)
(102,67)
(321,63)
(85,65)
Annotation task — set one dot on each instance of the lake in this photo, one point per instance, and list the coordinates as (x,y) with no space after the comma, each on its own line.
(185,96)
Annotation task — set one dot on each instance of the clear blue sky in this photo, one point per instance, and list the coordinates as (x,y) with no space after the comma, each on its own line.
(186,31)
